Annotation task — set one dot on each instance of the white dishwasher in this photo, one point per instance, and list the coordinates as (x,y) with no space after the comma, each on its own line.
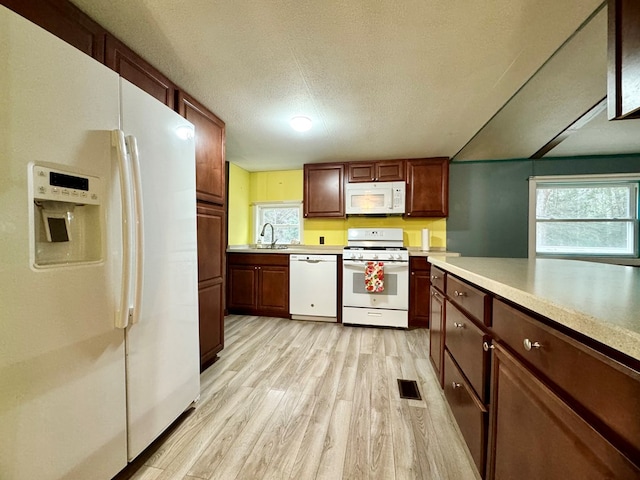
(313,287)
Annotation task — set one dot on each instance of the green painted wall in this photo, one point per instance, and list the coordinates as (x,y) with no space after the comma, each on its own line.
(488,201)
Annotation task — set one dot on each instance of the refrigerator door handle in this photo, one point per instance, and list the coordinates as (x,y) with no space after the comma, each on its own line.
(132,144)
(122,314)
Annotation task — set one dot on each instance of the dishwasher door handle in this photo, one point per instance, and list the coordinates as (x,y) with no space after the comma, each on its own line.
(313,261)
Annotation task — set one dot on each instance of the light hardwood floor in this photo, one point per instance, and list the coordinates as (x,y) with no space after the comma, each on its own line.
(308,400)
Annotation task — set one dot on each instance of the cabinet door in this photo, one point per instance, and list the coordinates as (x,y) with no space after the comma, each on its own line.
(465,340)
(65,21)
(361,172)
(132,67)
(211,310)
(428,187)
(436,333)
(273,291)
(242,288)
(624,59)
(469,412)
(211,241)
(390,171)
(324,190)
(382,171)
(534,434)
(419,285)
(210,142)
(211,268)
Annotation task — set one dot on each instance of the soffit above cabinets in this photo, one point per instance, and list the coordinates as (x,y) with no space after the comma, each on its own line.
(380,80)
(561,110)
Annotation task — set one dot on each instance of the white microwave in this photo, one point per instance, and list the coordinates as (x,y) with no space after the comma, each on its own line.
(379,198)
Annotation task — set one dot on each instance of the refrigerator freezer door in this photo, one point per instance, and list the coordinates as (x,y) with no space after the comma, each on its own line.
(62,377)
(163,369)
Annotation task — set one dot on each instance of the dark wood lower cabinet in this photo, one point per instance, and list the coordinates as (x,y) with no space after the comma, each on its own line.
(258,284)
(211,273)
(469,412)
(534,434)
(211,301)
(436,332)
(419,285)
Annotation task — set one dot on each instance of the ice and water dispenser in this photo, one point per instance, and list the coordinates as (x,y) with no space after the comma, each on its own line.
(67,217)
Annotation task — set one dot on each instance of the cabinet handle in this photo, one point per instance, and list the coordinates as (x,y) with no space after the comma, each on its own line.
(434,277)
(528,344)
(459,294)
(486,347)
(458,325)
(456,385)
(413,273)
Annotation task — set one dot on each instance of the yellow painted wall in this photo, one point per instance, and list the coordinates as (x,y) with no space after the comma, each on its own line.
(238,208)
(287,185)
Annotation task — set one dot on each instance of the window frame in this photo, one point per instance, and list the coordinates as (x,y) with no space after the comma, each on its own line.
(257,208)
(583,180)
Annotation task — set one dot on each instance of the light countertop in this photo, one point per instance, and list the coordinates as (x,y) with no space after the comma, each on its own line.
(290,250)
(598,300)
(324,249)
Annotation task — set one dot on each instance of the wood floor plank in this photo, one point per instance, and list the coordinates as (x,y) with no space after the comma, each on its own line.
(390,346)
(312,445)
(147,473)
(332,459)
(381,461)
(356,462)
(284,453)
(242,448)
(271,436)
(207,463)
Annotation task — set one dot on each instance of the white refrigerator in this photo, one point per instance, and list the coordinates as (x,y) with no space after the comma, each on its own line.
(98,267)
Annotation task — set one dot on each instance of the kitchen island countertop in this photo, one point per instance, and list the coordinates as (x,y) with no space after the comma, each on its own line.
(598,300)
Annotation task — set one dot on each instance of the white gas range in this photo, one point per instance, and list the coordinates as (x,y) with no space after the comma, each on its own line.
(375,278)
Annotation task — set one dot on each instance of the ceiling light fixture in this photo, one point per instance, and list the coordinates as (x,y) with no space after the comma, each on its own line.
(300,123)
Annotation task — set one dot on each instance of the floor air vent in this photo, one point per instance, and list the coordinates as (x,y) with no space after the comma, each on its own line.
(409,389)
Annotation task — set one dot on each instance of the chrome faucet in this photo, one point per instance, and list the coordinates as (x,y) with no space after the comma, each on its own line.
(273,239)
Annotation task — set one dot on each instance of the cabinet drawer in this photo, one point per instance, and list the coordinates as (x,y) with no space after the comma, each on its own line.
(608,390)
(470,299)
(464,340)
(469,412)
(438,278)
(254,259)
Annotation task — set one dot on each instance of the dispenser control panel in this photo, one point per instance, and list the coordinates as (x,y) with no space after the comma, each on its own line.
(56,185)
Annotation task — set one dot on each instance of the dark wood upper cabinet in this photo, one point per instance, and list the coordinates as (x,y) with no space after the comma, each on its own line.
(65,21)
(428,187)
(324,190)
(624,59)
(138,71)
(382,171)
(210,138)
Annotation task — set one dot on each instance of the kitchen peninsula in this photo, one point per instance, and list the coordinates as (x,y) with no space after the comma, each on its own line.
(539,360)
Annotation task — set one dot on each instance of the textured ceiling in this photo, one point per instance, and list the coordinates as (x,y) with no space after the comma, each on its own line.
(380,79)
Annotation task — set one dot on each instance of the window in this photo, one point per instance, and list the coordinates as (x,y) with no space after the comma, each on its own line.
(286,218)
(584,216)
